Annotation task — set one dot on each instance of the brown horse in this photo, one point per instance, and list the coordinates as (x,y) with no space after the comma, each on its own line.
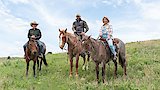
(74,48)
(31,53)
(101,54)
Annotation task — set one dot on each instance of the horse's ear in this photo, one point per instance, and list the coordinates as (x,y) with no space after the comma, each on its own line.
(89,37)
(59,30)
(65,30)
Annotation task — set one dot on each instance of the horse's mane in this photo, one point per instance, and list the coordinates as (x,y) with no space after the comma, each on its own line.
(70,34)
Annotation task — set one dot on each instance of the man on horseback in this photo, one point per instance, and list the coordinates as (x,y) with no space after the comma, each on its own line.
(35,33)
(79,27)
(106,33)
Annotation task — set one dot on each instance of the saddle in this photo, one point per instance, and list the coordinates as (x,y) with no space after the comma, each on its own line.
(115,43)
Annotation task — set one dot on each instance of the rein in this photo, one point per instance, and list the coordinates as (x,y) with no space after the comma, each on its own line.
(75,44)
(30,49)
(93,48)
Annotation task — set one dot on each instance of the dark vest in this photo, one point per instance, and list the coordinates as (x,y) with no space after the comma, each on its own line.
(79,26)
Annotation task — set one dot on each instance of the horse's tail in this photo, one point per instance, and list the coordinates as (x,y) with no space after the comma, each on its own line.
(122,55)
(122,60)
(44,60)
(44,57)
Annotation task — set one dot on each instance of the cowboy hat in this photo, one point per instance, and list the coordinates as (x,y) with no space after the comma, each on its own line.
(105,18)
(33,23)
(78,15)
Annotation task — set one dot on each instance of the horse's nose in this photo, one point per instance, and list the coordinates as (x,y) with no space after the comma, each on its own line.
(61,47)
(34,52)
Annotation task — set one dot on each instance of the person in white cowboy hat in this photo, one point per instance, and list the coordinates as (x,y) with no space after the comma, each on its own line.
(36,33)
(79,27)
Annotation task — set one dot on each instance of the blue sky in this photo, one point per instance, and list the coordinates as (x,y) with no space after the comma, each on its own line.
(132,20)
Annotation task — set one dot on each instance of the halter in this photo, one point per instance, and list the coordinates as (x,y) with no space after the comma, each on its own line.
(30,49)
(65,40)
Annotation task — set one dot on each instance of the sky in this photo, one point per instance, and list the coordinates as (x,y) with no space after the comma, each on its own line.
(132,20)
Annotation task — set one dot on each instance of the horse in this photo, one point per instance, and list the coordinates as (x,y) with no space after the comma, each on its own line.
(101,54)
(31,53)
(74,49)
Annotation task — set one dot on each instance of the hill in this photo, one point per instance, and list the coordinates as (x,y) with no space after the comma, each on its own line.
(143,69)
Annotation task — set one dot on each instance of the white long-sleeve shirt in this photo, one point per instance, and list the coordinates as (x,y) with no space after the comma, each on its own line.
(106,31)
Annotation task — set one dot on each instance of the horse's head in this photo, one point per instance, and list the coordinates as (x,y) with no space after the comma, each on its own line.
(62,38)
(32,46)
(86,40)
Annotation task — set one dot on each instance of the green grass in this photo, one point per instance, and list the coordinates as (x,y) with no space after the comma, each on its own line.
(143,69)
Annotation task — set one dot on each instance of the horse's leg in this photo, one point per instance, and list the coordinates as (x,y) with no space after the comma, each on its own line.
(97,71)
(124,67)
(27,68)
(71,66)
(37,64)
(84,63)
(34,67)
(122,61)
(115,69)
(40,64)
(77,59)
(44,60)
(103,71)
(88,56)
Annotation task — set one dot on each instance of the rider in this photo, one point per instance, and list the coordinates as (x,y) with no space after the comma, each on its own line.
(34,31)
(106,33)
(79,27)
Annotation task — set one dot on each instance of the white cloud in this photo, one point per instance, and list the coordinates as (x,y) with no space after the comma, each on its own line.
(20,1)
(151,10)
(144,26)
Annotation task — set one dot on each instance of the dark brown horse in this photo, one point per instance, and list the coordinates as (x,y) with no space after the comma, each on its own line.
(31,53)
(74,48)
(101,54)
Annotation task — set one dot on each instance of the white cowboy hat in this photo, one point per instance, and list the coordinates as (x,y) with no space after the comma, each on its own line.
(33,23)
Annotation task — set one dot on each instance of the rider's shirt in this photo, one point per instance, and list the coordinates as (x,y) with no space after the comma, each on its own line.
(105,31)
(35,32)
(79,26)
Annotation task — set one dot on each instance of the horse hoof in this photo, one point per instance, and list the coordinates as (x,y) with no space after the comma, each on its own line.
(105,83)
(87,68)
(83,68)
(70,75)
(124,77)
(77,75)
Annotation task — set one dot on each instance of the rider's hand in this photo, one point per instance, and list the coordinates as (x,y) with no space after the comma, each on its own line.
(33,37)
(82,33)
(109,36)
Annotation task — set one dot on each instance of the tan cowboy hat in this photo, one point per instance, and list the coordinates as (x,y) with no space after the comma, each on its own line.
(78,15)
(33,23)
(105,18)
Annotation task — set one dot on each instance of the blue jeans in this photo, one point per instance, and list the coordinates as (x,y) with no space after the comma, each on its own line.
(41,46)
(111,46)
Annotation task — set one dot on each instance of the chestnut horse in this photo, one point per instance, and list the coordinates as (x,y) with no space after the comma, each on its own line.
(101,54)
(74,49)
(31,53)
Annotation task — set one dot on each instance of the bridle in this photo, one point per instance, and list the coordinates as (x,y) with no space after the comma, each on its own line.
(29,47)
(65,40)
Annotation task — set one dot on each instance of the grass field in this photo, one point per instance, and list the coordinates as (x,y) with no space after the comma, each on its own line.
(143,69)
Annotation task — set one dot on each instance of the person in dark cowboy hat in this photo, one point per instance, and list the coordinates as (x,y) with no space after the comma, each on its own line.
(34,31)
(79,27)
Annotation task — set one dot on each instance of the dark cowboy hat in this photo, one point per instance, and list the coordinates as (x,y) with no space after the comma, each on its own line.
(105,18)
(33,23)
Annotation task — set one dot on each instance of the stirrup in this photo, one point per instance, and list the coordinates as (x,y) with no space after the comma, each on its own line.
(114,57)
(40,55)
